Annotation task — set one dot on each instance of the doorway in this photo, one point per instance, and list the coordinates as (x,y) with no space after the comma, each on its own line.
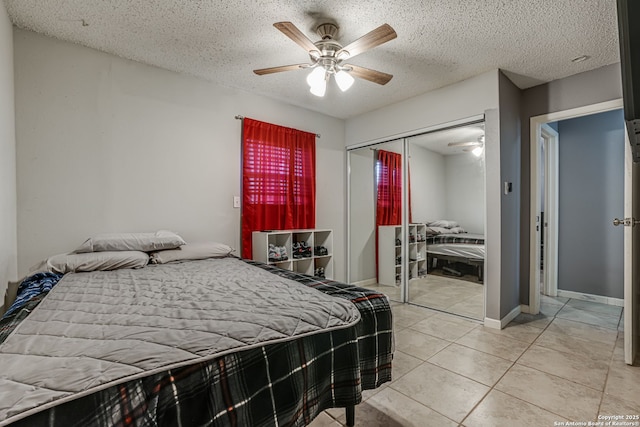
(577,253)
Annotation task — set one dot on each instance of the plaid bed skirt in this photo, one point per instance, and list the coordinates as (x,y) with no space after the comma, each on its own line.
(284,384)
(453,238)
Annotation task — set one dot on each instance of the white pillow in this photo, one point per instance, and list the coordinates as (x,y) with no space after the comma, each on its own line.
(191,251)
(144,242)
(439,230)
(456,230)
(92,261)
(442,223)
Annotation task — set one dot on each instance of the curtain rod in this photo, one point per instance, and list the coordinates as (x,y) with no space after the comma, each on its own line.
(238,117)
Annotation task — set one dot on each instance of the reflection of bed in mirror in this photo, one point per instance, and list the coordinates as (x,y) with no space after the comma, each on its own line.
(446,249)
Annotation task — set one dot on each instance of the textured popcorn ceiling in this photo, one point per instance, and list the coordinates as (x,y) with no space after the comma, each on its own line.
(439,41)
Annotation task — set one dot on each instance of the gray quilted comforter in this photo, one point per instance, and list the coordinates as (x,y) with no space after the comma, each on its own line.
(98,329)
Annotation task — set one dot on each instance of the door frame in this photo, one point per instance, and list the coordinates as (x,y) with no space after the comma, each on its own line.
(550,225)
(536,124)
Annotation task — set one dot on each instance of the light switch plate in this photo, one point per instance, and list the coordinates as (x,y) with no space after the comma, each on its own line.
(236,201)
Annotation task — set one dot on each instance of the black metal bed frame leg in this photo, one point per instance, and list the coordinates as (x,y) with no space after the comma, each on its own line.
(351,415)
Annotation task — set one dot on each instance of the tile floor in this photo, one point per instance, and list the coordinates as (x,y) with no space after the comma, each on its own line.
(462,297)
(566,364)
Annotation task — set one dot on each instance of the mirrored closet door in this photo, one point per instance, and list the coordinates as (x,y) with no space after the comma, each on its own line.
(376,195)
(447,205)
(432,252)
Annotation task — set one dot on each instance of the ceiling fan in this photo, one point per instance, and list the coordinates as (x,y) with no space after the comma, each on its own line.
(327,56)
(475,147)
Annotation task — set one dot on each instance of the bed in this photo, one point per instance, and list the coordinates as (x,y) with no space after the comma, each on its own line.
(464,248)
(185,376)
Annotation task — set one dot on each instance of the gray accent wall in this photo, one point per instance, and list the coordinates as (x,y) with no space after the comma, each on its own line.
(599,85)
(510,142)
(591,194)
(8,198)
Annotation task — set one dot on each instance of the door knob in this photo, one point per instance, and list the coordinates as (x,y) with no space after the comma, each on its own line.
(627,222)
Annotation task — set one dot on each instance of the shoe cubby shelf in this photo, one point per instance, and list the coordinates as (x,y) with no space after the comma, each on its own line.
(307,251)
(390,262)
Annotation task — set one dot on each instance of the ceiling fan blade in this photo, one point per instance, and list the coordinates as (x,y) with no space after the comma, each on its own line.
(291,31)
(263,71)
(464,144)
(374,38)
(368,74)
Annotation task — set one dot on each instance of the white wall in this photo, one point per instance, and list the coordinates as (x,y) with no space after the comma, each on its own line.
(107,144)
(428,191)
(469,98)
(8,238)
(363,215)
(464,191)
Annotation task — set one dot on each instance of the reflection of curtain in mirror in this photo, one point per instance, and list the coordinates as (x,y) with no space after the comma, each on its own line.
(389,191)
(278,179)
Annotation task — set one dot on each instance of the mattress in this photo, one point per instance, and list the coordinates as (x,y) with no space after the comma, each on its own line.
(468,252)
(247,381)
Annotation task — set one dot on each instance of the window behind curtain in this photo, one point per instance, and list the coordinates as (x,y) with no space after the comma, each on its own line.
(278,179)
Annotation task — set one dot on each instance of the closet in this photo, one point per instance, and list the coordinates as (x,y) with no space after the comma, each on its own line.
(397,191)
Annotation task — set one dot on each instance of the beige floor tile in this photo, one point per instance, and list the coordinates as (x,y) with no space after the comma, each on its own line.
(536,320)
(473,364)
(550,310)
(594,307)
(449,394)
(618,350)
(571,344)
(389,408)
(518,332)
(545,299)
(572,366)
(495,344)
(402,364)
(419,345)
(448,328)
(405,315)
(584,331)
(501,410)
(609,321)
(614,406)
(324,420)
(623,382)
(554,394)
(471,307)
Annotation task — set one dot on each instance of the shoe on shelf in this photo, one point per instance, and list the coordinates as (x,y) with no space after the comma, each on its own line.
(321,251)
(283,253)
(274,253)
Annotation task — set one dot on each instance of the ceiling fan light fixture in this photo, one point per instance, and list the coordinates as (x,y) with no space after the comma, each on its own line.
(478,151)
(344,80)
(316,77)
(319,89)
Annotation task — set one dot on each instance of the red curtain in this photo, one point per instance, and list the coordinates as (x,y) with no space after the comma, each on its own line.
(389,184)
(278,179)
(389,191)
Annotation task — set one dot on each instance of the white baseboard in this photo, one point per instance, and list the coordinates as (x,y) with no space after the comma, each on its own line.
(525,309)
(618,302)
(502,323)
(365,283)
(492,323)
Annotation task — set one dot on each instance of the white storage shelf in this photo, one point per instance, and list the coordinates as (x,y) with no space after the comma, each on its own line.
(288,238)
(390,262)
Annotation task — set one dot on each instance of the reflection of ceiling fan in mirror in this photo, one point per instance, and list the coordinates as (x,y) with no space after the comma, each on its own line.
(327,56)
(475,147)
